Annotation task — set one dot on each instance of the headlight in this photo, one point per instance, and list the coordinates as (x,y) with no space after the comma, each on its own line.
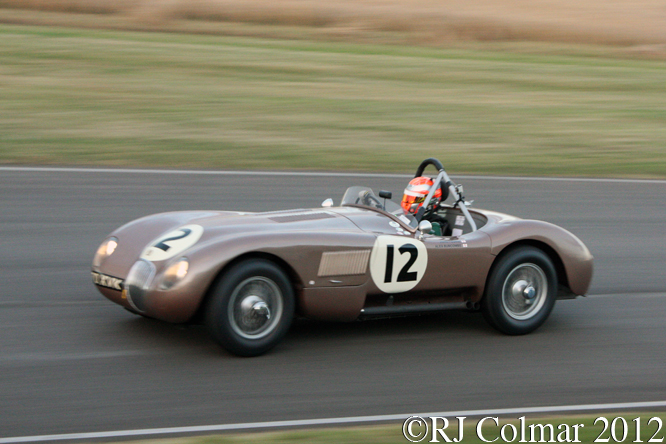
(175,273)
(105,250)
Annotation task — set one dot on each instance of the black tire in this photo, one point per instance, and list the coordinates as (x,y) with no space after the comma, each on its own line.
(520,292)
(250,308)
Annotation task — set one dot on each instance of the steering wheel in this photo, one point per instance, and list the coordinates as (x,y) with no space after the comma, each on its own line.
(366,198)
(437,164)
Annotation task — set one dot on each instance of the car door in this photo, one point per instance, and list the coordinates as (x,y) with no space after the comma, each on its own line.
(457,262)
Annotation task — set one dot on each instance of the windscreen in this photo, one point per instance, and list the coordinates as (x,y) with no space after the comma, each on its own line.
(364,196)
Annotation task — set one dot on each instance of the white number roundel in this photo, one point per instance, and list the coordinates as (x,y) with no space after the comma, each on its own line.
(172,243)
(397,263)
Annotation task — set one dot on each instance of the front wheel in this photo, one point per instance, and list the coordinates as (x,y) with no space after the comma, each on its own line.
(521,291)
(251,307)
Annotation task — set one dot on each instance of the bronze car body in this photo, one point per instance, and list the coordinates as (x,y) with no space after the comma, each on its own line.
(342,263)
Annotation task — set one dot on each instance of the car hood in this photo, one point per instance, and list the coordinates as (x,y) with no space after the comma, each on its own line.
(220,222)
(134,237)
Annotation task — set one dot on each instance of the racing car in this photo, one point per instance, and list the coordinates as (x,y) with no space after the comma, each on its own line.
(247,275)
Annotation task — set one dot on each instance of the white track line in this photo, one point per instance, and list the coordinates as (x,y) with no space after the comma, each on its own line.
(309,174)
(193,172)
(329,421)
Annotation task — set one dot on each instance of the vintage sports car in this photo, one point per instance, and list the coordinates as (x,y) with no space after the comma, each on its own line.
(246,275)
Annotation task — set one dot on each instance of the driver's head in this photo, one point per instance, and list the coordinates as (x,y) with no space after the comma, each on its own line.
(416,192)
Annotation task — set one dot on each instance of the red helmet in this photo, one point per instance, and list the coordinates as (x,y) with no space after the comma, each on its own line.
(416,192)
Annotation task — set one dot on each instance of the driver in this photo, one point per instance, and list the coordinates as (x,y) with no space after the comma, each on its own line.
(415,194)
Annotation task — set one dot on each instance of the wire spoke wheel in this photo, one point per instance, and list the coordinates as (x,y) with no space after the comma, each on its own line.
(524,291)
(255,307)
(250,307)
(521,290)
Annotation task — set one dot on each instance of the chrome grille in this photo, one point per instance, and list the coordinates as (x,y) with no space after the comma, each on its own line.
(138,282)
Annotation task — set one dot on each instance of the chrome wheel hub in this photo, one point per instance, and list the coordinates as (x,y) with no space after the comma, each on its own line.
(255,307)
(524,292)
(254,311)
(522,288)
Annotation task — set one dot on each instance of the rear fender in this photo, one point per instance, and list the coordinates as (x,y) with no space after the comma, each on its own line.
(574,257)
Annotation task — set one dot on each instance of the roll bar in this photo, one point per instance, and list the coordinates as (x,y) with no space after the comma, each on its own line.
(447,187)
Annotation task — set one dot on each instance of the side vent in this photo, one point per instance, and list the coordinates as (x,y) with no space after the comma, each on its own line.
(343,263)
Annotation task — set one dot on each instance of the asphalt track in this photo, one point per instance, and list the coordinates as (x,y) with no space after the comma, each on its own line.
(72,362)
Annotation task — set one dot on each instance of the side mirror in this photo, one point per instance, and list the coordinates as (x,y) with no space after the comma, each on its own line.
(425,226)
(385,194)
(327,203)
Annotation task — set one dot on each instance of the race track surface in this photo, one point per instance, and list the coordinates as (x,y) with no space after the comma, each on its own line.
(73,362)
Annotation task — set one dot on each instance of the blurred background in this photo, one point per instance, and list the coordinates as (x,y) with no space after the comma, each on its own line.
(490,87)
(555,87)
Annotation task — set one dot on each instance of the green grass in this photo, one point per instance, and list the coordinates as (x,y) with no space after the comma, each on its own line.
(89,97)
(392,434)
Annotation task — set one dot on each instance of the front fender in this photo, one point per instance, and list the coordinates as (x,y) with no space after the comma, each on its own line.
(301,251)
(134,236)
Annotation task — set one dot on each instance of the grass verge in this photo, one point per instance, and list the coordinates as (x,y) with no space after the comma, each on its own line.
(615,427)
(90,97)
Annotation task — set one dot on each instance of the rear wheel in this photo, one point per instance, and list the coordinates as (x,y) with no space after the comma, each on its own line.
(251,307)
(521,291)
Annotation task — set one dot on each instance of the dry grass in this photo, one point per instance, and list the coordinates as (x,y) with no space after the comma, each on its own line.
(612,22)
(84,6)
(529,91)
(76,96)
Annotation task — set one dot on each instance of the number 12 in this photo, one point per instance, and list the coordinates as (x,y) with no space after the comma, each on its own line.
(404,275)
